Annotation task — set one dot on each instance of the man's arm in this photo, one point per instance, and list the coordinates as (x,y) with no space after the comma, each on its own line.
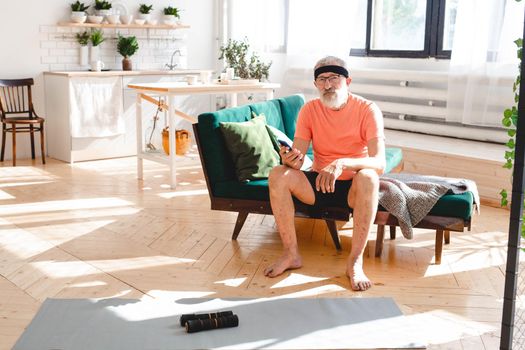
(376,160)
(294,158)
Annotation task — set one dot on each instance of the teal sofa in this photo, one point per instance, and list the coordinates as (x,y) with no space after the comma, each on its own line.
(229,194)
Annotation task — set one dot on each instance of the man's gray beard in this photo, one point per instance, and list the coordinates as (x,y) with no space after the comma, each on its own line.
(334,100)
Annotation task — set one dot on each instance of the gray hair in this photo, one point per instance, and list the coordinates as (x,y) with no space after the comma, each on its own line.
(329,61)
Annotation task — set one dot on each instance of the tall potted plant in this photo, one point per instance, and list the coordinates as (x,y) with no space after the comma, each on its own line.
(236,55)
(83,40)
(127,46)
(96,38)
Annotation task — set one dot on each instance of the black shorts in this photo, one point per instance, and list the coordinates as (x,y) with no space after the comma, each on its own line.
(339,198)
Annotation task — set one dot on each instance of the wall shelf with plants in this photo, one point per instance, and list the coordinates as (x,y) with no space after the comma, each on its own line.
(134,26)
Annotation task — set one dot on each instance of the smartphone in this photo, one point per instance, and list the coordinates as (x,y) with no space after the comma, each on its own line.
(285,144)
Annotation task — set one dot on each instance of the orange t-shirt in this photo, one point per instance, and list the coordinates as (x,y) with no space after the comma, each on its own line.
(340,133)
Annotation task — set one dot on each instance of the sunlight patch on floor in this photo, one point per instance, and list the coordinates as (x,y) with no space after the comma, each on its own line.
(64,205)
(296,279)
(168,195)
(232,282)
(143,262)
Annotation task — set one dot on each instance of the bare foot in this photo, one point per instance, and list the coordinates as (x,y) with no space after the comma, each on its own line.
(354,271)
(286,262)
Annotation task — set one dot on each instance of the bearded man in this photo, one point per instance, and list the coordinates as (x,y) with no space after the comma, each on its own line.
(347,136)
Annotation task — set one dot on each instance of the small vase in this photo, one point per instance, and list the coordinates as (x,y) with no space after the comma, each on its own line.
(127,64)
(94,53)
(84,55)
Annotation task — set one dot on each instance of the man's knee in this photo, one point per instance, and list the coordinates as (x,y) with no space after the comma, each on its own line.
(366,178)
(278,176)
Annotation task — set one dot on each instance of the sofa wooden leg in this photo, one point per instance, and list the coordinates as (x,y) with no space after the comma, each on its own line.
(379,240)
(332,227)
(241,218)
(447,237)
(439,246)
(392,232)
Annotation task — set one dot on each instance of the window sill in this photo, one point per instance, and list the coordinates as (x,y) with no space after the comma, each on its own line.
(446,145)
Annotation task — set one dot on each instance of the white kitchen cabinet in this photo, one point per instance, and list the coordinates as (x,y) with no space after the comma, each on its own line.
(63,146)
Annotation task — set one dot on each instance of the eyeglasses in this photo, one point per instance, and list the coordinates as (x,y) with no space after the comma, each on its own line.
(331,79)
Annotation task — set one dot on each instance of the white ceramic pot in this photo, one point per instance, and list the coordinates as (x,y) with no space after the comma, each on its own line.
(103,12)
(126,19)
(112,19)
(78,19)
(145,16)
(84,55)
(170,19)
(94,53)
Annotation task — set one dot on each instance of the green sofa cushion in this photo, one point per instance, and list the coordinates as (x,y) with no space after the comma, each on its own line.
(394,156)
(450,205)
(254,190)
(271,110)
(455,205)
(290,107)
(250,147)
(218,162)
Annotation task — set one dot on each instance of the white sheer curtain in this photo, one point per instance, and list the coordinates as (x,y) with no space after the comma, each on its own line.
(262,22)
(328,27)
(484,62)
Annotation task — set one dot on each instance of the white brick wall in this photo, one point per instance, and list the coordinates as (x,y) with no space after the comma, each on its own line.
(60,49)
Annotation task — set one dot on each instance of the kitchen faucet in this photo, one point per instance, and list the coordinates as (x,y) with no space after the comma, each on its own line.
(172,65)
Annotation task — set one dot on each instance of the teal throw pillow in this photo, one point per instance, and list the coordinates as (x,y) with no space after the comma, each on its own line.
(250,147)
(277,135)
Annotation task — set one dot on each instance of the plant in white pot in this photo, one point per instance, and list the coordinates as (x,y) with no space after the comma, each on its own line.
(103,7)
(78,12)
(171,14)
(145,12)
(127,46)
(83,40)
(96,38)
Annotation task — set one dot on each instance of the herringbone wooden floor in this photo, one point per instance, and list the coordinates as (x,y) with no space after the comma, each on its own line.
(92,230)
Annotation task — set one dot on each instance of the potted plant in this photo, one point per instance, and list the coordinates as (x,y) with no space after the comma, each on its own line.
(78,12)
(78,8)
(127,46)
(236,55)
(83,40)
(171,14)
(103,7)
(145,11)
(96,38)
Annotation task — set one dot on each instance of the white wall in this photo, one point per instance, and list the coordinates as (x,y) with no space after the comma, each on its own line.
(21,20)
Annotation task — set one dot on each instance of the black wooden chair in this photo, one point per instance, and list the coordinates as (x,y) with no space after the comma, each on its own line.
(16,108)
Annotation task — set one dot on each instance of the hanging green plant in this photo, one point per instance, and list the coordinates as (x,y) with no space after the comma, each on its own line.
(97,37)
(83,38)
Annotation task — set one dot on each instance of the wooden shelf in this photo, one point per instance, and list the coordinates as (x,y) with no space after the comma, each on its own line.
(134,26)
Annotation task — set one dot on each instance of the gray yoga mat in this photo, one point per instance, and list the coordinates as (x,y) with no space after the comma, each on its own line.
(321,323)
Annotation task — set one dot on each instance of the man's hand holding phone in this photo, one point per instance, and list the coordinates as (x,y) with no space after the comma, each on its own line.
(290,156)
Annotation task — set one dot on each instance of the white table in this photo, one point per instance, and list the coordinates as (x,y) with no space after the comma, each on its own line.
(169,91)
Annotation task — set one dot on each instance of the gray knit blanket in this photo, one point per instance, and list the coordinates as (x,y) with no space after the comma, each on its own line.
(410,197)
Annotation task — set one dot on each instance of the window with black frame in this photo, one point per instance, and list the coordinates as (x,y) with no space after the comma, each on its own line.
(409,28)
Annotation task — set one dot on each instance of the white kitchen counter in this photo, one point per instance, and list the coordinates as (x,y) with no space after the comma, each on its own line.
(127,73)
(61,118)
